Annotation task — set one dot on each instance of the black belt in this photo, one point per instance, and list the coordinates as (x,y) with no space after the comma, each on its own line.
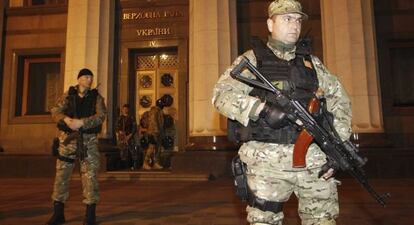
(83,131)
(65,159)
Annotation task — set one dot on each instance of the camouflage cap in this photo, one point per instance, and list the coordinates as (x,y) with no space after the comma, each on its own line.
(280,7)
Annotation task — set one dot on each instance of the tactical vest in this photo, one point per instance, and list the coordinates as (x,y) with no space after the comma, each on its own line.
(293,78)
(80,107)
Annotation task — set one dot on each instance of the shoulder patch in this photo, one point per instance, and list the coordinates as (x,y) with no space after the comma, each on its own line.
(278,84)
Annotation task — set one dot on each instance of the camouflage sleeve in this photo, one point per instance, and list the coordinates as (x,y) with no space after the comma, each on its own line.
(231,97)
(99,117)
(58,109)
(338,102)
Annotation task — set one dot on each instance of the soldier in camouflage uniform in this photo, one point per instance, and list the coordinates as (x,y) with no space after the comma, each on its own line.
(271,178)
(126,130)
(79,113)
(155,132)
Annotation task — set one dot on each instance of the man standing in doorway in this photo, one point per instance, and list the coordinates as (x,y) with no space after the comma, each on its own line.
(125,131)
(79,114)
(155,133)
(269,137)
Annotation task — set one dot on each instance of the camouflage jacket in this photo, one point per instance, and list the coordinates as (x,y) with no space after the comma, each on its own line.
(155,121)
(89,122)
(231,98)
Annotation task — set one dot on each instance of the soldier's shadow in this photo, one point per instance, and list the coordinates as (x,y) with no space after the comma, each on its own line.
(25,212)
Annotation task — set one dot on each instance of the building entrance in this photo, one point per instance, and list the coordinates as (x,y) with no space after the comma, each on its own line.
(157,104)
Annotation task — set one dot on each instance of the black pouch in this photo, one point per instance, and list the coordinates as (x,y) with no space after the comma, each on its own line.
(55,146)
(236,132)
(240,179)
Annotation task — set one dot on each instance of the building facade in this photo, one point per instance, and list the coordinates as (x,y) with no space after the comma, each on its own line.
(141,50)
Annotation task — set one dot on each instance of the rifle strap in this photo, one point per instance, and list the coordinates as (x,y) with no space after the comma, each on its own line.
(262,204)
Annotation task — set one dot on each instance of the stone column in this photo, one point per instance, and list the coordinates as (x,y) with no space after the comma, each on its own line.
(210,54)
(349,51)
(89,43)
(2,9)
(15,3)
(105,70)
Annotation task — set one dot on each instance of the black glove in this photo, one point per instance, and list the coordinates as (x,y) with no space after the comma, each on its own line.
(273,115)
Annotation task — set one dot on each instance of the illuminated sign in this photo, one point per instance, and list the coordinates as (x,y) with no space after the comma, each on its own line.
(150,15)
(154,31)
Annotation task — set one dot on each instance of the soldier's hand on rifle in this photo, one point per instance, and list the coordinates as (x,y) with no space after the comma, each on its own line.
(67,120)
(273,115)
(327,171)
(128,137)
(70,123)
(328,174)
(77,124)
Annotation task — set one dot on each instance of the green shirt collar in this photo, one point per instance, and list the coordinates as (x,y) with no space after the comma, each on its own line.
(280,46)
(282,50)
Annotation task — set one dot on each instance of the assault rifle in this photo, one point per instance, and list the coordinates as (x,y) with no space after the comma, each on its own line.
(342,155)
(81,151)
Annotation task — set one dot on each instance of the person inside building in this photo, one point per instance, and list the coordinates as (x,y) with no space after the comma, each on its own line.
(126,130)
(154,134)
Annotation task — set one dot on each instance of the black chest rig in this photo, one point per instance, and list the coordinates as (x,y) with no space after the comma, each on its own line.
(293,78)
(80,107)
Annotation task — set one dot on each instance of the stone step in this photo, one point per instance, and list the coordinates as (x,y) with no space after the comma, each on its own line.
(142,175)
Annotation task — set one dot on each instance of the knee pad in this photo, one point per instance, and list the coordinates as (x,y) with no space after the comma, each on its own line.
(258,217)
(327,222)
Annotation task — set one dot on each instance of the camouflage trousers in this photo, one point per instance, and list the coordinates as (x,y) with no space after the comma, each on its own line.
(318,198)
(88,170)
(128,151)
(153,152)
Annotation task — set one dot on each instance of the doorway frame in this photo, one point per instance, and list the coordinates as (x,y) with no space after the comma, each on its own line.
(127,70)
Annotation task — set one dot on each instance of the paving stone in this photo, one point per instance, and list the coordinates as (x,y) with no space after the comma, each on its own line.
(173,202)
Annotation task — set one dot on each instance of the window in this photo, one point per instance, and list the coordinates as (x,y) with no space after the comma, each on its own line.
(402,61)
(38,84)
(45,2)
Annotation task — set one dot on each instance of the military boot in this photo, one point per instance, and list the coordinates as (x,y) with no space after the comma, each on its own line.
(146,166)
(90,217)
(157,166)
(58,216)
(147,161)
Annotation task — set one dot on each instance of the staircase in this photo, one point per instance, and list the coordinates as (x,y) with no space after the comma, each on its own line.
(164,175)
